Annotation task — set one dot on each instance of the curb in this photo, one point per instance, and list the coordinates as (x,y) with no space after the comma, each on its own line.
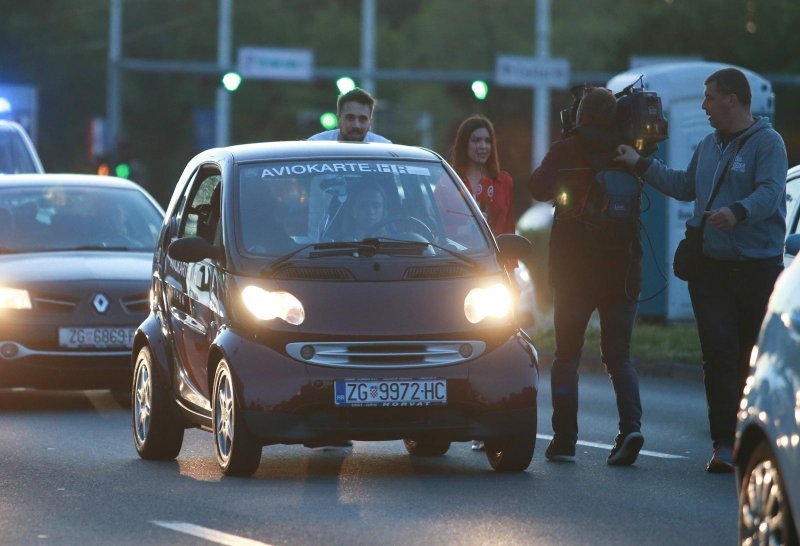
(671,370)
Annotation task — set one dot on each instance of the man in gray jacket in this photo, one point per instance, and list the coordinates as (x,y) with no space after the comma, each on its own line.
(354,111)
(743,240)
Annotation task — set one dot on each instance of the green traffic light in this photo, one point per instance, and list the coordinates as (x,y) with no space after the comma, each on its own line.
(345,84)
(329,120)
(122,170)
(231,81)
(480,89)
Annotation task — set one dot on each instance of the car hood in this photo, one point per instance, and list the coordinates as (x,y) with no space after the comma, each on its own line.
(76,266)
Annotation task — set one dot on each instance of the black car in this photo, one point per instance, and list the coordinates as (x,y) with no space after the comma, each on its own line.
(319,292)
(76,253)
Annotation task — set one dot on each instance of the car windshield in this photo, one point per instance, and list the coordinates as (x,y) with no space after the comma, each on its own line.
(64,217)
(286,205)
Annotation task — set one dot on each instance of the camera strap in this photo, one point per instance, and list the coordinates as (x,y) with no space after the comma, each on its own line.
(715,191)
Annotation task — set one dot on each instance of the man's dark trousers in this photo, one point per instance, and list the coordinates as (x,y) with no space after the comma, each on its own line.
(571,316)
(729,301)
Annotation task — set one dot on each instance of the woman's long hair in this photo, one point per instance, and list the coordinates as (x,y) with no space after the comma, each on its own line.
(458,155)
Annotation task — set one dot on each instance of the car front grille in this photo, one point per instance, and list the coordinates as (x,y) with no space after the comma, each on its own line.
(138,303)
(54,303)
(385,354)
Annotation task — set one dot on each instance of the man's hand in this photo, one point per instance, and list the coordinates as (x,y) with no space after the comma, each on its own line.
(722,218)
(626,154)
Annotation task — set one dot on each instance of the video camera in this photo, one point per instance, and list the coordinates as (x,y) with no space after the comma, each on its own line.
(640,118)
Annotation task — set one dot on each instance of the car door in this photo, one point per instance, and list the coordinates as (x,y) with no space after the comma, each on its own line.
(190,285)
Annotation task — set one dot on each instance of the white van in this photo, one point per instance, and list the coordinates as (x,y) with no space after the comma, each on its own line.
(17,153)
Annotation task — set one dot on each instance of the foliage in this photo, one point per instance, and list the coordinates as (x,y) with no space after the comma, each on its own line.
(61,48)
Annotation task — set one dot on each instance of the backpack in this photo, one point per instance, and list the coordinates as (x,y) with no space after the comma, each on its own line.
(611,213)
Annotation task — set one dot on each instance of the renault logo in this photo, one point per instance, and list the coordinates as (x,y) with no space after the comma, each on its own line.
(100,303)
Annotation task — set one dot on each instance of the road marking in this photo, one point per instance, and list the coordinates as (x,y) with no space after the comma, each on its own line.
(607,446)
(210,535)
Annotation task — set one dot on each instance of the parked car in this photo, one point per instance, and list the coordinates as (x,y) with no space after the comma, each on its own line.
(17,152)
(76,253)
(767,450)
(319,292)
(792,214)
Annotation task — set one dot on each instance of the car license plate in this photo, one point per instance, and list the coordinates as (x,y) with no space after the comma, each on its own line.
(390,392)
(96,338)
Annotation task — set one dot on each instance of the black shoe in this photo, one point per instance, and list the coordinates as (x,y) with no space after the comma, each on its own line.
(721,461)
(626,449)
(560,451)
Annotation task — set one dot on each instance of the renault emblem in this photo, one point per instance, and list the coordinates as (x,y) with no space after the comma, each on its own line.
(100,303)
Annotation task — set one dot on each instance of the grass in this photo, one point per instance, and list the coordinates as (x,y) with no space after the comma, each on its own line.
(676,342)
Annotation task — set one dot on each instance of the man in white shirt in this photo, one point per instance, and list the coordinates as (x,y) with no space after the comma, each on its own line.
(354,111)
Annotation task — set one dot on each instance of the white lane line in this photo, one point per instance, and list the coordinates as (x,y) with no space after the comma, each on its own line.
(210,535)
(607,446)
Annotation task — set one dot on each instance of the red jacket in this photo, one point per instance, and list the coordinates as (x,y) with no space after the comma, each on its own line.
(496,199)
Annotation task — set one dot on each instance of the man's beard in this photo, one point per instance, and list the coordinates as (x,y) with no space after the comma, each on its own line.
(354,135)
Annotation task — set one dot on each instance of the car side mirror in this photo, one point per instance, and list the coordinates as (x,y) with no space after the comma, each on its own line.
(193,249)
(513,247)
(793,244)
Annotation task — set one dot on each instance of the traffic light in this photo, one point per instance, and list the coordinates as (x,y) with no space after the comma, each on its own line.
(480,89)
(231,81)
(122,170)
(345,84)
(329,120)
(103,169)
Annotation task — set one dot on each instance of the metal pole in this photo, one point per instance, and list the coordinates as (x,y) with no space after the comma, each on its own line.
(541,94)
(223,104)
(113,102)
(368,45)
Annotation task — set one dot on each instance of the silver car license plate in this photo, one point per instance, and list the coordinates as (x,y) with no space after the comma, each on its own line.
(96,338)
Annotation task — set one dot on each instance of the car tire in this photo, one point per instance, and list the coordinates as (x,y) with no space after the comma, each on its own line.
(765,516)
(511,453)
(238,451)
(427,447)
(157,430)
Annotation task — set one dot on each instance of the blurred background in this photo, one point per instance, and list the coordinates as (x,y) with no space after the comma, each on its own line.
(59,50)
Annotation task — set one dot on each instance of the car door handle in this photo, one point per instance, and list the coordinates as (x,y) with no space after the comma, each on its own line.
(205,278)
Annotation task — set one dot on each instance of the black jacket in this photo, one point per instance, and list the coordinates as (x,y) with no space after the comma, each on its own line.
(583,256)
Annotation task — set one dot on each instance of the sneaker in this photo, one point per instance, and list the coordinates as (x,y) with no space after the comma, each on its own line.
(626,449)
(560,451)
(721,461)
(477,445)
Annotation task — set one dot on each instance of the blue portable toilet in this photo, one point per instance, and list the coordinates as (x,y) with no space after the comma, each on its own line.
(680,86)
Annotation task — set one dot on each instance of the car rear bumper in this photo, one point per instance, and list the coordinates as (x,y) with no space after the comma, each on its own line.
(286,401)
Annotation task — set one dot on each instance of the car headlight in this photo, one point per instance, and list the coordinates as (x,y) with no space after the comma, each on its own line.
(267,305)
(494,301)
(14,298)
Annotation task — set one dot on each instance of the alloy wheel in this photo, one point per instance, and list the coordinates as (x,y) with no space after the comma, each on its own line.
(143,401)
(763,508)
(224,415)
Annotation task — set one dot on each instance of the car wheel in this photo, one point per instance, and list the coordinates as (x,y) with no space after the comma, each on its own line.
(427,447)
(157,432)
(512,453)
(238,451)
(764,513)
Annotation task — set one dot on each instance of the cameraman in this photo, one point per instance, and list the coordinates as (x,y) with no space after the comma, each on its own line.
(743,239)
(592,266)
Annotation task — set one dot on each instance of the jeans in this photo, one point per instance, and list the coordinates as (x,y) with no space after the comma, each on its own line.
(571,316)
(729,301)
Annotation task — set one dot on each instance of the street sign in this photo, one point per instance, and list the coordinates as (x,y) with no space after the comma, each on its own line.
(273,63)
(521,71)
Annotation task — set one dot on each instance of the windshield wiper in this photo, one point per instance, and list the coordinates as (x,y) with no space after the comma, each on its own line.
(98,247)
(367,248)
(422,245)
(336,247)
